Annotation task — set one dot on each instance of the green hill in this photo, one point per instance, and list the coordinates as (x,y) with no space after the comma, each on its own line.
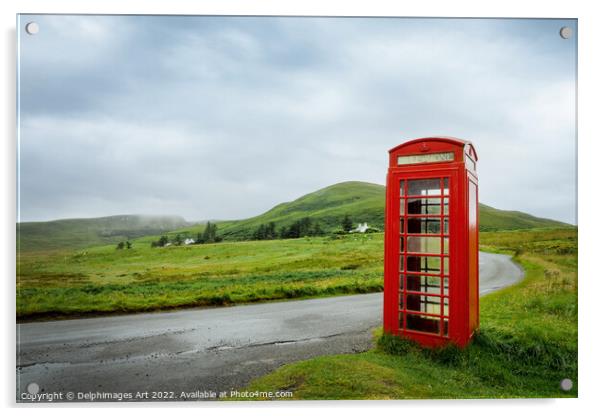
(364,202)
(87,232)
(492,219)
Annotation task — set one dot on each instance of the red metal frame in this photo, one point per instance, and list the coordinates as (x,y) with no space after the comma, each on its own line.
(462,248)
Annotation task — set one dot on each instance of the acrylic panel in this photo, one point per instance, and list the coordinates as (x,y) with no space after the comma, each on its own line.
(201,202)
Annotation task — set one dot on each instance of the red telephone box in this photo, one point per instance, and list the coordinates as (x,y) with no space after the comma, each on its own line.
(432,241)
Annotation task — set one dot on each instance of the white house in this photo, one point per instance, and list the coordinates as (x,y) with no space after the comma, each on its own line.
(189,241)
(361,228)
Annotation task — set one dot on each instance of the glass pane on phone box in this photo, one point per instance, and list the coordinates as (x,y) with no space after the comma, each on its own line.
(424,225)
(424,264)
(422,323)
(424,206)
(424,245)
(425,284)
(424,187)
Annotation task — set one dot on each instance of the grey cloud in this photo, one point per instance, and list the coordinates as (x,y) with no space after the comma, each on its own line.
(224,117)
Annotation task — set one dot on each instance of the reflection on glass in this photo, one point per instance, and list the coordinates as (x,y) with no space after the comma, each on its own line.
(446,226)
(424,284)
(424,187)
(424,206)
(401,301)
(401,314)
(445,265)
(401,247)
(445,286)
(424,264)
(422,303)
(401,188)
(424,245)
(446,306)
(402,206)
(420,323)
(445,186)
(401,282)
(445,206)
(401,224)
(445,327)
(445,245)
(470,163)
(401,262)
(424,225)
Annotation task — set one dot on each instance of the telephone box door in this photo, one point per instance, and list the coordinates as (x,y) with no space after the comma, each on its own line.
(425,228)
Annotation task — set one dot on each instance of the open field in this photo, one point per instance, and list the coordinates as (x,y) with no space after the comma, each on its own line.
(106,280)
(526,346)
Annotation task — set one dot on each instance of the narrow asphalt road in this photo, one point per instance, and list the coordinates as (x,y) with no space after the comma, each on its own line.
(203,350)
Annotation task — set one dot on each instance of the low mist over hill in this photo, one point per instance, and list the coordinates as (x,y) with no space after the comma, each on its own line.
(87,232)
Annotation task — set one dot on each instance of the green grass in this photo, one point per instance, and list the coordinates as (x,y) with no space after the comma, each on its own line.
(105,280)
(526,345)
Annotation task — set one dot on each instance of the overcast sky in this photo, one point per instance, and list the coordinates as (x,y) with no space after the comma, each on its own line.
(222,118)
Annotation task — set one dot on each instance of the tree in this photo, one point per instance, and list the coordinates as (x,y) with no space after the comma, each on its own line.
(271,231)
(209,234)
(266,232)
(259,233)
(294,230)
(163,241)
(283,233)
(178,240)
(128,245)
(305,227)
(346,223)
(316,229)
(120,245)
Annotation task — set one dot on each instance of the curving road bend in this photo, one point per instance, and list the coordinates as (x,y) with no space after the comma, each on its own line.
(201,350)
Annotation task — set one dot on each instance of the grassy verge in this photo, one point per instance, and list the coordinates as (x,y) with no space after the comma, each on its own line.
(104,280)
(527,343)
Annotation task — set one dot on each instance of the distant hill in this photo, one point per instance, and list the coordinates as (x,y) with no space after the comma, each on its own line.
(364,202)
(87,232)
(492,219)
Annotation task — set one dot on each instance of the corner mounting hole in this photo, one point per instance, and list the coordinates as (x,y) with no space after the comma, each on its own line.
(32,28)
(566,32)
(566,384)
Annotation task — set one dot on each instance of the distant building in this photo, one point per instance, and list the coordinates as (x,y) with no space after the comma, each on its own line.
(361,228)
(189,241)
